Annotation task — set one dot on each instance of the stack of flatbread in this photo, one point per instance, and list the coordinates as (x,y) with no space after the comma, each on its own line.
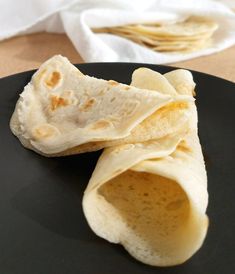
(148,191)
(192,34)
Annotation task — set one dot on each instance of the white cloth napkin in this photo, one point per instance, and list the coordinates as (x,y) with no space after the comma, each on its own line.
(230,3)
(77,17)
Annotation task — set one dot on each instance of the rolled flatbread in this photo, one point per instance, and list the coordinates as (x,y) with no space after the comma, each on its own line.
(63,112)
(151,197)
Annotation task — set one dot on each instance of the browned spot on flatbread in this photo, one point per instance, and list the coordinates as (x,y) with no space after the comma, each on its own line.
(126,88)
(87,104)
(53,79)
(183,146)
(57,102)
(101,124)
(113,83)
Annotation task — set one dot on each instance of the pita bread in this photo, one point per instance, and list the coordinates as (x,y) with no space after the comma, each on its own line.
(152,196)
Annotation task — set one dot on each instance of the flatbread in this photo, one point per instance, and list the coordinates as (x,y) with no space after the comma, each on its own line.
(63,112)
(192,34)
(193,26)
(152,196)
(182,81)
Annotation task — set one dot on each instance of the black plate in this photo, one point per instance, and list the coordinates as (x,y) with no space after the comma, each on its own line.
(42,226)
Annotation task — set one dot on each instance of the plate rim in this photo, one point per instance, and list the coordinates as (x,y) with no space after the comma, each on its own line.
(31,71)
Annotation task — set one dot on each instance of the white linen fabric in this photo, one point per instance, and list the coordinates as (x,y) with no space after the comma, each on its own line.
(77,17)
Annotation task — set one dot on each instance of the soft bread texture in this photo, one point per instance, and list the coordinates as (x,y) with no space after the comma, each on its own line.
(63,112)
(151,197)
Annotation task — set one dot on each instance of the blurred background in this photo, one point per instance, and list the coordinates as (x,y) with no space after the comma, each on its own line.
(192,34)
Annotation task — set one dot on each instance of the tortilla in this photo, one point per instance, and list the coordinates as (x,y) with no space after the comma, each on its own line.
(151,197)
(63,112)
(182,81)
(192,34)
(192,26)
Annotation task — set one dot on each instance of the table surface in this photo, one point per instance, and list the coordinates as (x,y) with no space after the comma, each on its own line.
(29,51)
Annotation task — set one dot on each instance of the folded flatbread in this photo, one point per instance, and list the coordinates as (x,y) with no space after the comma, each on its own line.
(151,197)
(63,112)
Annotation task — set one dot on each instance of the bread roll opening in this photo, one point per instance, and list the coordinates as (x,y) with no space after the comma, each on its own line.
(154,208)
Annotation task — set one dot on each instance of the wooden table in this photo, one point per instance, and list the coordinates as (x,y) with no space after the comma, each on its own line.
(27,52)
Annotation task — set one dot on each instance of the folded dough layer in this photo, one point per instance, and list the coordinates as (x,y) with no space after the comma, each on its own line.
(63,112)
(151,197)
